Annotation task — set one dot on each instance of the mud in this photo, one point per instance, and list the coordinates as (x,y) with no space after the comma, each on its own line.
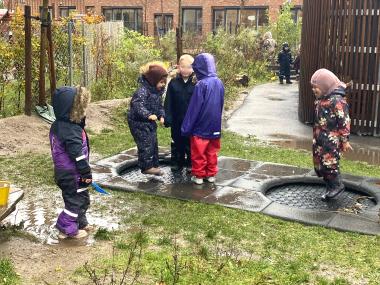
(49,260)
(37,263)
(38,211)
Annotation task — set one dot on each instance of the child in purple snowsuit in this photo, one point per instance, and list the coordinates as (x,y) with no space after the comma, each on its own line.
(70,153)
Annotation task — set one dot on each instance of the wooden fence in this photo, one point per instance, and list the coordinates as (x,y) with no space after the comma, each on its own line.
(344,36)
(99,39)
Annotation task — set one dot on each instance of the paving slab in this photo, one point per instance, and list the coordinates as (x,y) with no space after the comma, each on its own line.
(187,191)
(278,190)
(307,216)
(355,223)
(238,198)
(240,165)
(272,169)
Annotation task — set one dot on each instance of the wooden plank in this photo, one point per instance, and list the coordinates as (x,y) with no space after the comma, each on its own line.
(306,63)
(367,100)
(355,67)
(14,198)
(341,30)
(28,61)
(360,67)
(333,36)
(376,106)
(350,59)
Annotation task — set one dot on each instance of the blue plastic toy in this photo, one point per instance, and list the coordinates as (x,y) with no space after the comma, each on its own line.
(99,189)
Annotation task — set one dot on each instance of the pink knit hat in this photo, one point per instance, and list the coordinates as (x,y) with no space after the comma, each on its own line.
(326,81)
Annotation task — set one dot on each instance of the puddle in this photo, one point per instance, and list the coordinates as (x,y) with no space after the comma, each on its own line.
(275,99)
(37,213)
(236,165)
(279,170)
(365,149)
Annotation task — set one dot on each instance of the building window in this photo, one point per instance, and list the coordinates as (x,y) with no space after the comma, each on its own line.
(163,24)
(65,11)
(132,17)
(90,10)
(230,19)
(296,13)
(192,20)
(219,19)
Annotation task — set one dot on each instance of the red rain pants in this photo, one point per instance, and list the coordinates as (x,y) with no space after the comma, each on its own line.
(204,156)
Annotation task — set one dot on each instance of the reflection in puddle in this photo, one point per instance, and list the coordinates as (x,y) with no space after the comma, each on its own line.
(361,152)
(38,211)
(275,99)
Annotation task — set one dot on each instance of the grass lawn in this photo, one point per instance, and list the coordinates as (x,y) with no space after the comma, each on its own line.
(175,242)
(8,275)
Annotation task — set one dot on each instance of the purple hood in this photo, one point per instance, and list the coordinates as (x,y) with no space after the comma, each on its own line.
(204,66)
(204,115)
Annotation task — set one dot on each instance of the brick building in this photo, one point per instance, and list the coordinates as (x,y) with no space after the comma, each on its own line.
(158,16)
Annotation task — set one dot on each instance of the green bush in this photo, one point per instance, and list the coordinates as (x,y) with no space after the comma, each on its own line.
(237,54)
(168,47)
(285,30)
(119,72)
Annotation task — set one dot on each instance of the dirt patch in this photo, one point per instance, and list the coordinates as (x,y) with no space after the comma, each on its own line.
(51,264)
(331,272)
(23,134)
(99,114)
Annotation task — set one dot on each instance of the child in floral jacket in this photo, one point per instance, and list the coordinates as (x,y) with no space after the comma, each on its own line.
(331,129)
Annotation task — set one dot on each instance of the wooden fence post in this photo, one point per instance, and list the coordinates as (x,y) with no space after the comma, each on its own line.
(44,25)
(28,60)
(53,80)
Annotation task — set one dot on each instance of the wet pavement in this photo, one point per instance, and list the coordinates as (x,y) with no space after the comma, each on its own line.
(270,112)
(277,190)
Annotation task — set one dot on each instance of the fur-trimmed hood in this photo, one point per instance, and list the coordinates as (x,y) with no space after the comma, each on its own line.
(70,103)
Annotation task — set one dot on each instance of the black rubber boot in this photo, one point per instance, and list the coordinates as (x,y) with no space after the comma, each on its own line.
(334,192)
(176,167)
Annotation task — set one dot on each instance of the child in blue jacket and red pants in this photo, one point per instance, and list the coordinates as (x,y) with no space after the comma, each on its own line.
(203,120)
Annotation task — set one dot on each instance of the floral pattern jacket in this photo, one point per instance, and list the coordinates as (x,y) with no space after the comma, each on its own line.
(331,129)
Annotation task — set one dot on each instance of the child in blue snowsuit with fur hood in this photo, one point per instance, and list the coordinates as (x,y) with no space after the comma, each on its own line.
(145,110)
(70,152)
